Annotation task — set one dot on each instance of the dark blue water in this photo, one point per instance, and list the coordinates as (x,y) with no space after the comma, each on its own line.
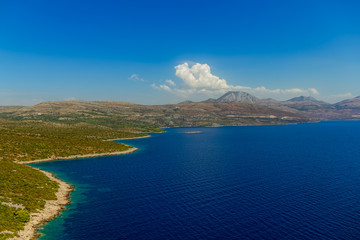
(263,182)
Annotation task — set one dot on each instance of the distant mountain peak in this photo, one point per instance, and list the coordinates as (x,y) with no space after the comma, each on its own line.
(349,103)
(236,96)
(303,99)
(210,100)
(186,101)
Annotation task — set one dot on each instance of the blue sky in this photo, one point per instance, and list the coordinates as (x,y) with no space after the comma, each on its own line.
(155,52)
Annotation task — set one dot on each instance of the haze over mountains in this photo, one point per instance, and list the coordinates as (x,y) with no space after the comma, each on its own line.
(233,108)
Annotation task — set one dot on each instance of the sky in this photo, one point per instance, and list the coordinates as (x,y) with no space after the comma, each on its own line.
(158,52)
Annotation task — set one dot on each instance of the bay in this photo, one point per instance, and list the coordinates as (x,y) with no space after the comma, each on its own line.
(255,182)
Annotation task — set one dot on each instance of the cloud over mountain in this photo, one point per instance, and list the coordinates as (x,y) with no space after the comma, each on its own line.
(198,79)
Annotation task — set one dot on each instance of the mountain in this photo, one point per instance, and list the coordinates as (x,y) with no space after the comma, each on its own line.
(186,101)
(303,99)
(349,103)
(210,100)
(315,109)
(272,103)
(303,103)
(233,108)
(233,96)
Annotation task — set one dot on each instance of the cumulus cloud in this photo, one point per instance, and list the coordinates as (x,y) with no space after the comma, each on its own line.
(136,77)
(313,91)
(198,79)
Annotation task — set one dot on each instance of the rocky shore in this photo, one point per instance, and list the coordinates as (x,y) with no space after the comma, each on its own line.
(51,210)
(54,207)
(130,150)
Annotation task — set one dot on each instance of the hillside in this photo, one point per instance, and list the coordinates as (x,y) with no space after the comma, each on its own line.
(353,103)
(233,108)
(305,106)
(114,114)
(345,110)
(306,103)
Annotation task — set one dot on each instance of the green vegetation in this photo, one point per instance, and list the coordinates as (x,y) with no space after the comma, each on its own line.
(29,141)
(23,189)
(114,122)
(22,215)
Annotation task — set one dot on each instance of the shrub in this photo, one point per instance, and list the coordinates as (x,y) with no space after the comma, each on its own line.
(22,215)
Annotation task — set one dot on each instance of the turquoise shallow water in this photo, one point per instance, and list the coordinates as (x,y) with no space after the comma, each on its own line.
(260,182)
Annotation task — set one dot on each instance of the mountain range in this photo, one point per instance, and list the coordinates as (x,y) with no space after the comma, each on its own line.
(233,108)
(303,105)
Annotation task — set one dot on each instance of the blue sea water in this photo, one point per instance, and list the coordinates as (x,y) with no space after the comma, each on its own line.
(258,182)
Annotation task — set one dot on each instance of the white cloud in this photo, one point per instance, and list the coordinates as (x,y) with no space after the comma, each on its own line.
(161,87)
(170,82)
(136,77)
(199,76)
(198,79)
(165,87)
(313,91)
(294,91)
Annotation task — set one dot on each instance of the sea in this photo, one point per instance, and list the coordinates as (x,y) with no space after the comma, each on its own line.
(250,182)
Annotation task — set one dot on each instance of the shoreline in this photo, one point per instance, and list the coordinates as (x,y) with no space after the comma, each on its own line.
(92,155)
(72,157)
(52,209)
(118,139)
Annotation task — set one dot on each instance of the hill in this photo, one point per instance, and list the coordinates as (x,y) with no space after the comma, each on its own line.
(303,103)
(128,115)
(232,108)
(353,103)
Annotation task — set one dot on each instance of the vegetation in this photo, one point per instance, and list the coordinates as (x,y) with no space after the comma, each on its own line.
(23,189)
(31,140)
(141,117)
(22,215)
